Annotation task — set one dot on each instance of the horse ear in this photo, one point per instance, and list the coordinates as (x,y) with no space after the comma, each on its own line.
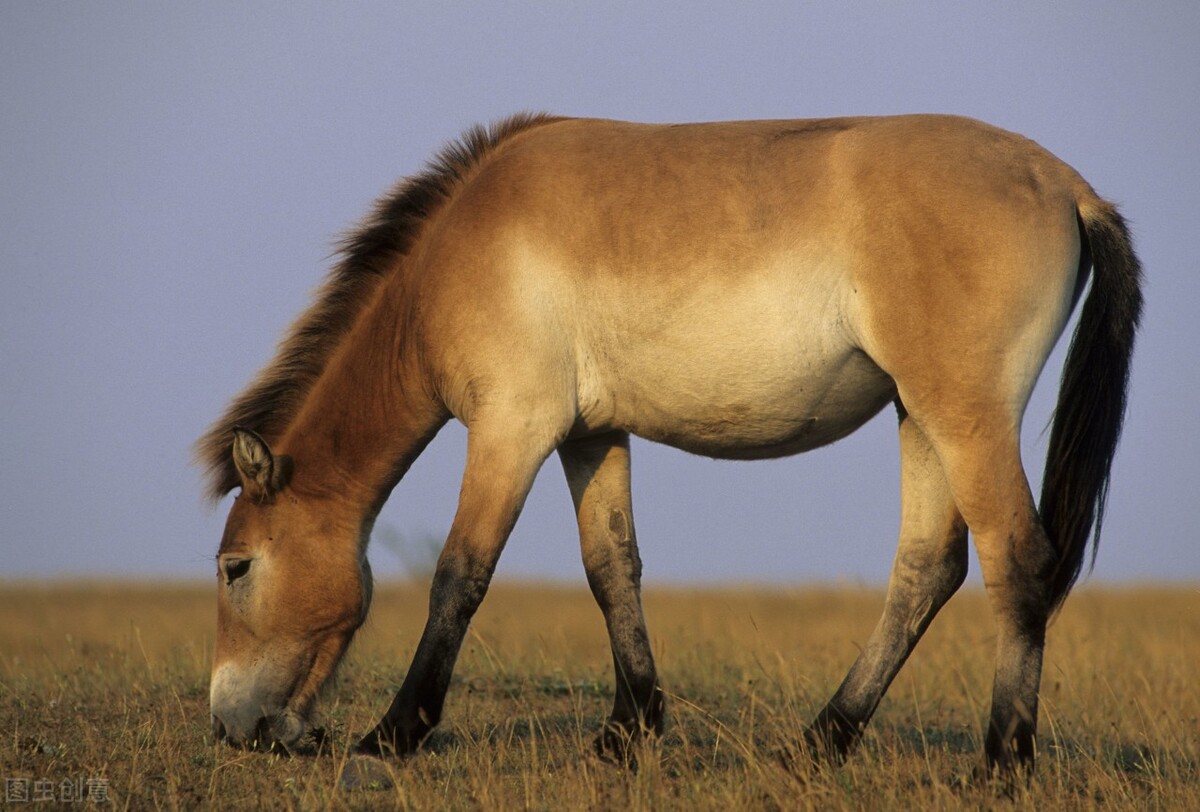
(263,474)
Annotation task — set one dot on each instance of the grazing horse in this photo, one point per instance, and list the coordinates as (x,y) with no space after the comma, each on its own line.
(740,290)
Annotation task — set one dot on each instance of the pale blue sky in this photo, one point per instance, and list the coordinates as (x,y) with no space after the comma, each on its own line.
(173,177)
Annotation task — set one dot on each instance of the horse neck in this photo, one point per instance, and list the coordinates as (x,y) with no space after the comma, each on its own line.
(367,417)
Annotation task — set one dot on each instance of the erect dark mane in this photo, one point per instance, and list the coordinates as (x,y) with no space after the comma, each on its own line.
(368,254)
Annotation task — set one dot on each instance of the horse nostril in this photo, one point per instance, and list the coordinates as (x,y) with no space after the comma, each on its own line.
(218,730)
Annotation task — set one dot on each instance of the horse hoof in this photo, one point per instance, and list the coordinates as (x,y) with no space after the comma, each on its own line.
(615,747)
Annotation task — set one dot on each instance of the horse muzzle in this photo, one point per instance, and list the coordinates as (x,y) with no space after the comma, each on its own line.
(244,714)
(282,731)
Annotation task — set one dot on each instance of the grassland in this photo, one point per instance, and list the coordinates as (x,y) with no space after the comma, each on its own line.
(109,682)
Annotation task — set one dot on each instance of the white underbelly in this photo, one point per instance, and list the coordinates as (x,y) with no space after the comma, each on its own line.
(745,392)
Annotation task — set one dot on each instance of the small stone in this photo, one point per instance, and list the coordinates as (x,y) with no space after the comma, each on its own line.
(366,772)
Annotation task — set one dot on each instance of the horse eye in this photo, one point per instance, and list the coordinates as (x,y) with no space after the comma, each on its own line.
(235,568)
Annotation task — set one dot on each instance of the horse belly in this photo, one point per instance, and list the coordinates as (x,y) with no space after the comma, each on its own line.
(744,400)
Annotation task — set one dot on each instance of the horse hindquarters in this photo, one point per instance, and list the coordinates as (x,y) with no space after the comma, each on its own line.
(963,323)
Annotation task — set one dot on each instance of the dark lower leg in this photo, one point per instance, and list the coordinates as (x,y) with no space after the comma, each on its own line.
(916,593)
(498,475)
(1018,589)
(1017,562)
(1012,727)
(931,563)
(638,705)
(598,474)
(638,708)
(417,706)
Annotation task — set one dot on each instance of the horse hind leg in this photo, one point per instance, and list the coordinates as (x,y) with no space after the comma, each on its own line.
(983,465)
(930,565)
(597,471)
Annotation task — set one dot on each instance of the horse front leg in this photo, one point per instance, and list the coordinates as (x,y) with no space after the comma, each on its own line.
(597,471)
(931,564)
(501,465)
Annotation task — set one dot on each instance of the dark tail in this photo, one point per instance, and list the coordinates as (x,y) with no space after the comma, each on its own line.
(1091,398)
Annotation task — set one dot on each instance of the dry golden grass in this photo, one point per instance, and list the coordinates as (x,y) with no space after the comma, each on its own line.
(110,682)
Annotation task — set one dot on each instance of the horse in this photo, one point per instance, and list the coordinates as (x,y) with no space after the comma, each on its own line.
(740,290)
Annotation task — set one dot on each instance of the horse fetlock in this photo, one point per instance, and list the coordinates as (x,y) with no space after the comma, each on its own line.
(1011,742)
(392,741)
(622,741)
(833,735)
